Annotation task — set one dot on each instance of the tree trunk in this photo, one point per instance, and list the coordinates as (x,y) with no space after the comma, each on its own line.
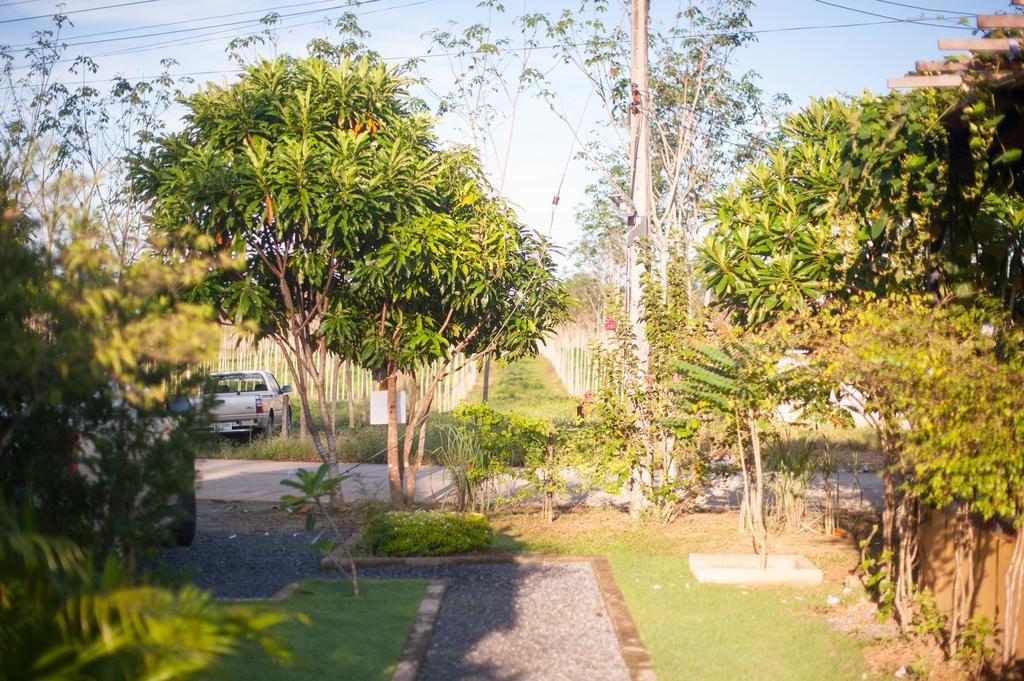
(394,455)
(906,560)
(487,378)
(757,499)
(334,395)
(889,502)
(350,391)
(303,425)
(408,440)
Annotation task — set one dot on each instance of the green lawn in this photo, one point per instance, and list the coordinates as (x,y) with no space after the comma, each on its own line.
(346,638)
(529,386)
(707,632)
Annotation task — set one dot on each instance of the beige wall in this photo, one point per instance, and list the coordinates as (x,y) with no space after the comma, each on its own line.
(991,557)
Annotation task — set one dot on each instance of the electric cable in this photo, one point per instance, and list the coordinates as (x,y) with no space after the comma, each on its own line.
(77,11)
(920,22)
(927,9)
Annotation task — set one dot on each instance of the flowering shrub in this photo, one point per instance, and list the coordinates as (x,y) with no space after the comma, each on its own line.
(425,534)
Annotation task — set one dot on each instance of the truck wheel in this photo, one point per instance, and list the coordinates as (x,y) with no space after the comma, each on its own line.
(185,527)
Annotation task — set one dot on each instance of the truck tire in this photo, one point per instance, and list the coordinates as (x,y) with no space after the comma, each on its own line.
(185,526)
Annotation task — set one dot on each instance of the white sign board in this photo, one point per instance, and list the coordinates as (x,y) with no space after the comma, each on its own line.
(379,407)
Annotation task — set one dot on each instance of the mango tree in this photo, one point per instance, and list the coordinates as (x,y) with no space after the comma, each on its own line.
(302,167)
(460,282)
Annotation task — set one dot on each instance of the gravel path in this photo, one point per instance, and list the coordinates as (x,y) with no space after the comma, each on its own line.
(244,551)
(543,622)
(518,622)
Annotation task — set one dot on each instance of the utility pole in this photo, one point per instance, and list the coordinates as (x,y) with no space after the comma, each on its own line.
(640,161)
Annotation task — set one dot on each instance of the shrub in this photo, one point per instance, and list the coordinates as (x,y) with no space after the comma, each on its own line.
(508,437)
(425,534)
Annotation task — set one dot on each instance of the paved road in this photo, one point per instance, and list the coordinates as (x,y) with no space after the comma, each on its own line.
(243,480)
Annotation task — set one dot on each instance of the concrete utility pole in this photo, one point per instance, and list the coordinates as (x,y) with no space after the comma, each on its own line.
(640,160)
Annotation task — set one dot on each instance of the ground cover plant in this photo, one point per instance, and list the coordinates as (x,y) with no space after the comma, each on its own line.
(332,635)
(423,533)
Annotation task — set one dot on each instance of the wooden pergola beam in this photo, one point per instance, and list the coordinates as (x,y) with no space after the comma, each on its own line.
(945,80)
(979,44)
(940,66)
(991,21)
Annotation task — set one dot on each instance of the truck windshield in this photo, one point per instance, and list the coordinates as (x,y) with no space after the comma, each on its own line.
(234,383)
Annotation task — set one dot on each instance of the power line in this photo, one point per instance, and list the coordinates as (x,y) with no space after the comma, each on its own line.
(920,22)
(18,2)
(264,11)
(460,53)
(927,9)
(222,33)
(77,11)
(225,24)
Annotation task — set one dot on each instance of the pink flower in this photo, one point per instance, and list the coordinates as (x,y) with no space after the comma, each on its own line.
(588,396)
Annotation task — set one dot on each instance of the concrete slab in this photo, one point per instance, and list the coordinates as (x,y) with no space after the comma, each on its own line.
(246,480)
(787,569)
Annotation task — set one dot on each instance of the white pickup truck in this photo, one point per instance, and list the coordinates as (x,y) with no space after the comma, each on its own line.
(247,402)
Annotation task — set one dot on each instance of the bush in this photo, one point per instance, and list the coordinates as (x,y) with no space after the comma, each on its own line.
(425,534)
(508,437)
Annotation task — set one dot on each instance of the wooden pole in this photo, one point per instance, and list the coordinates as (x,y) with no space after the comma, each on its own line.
(640,138)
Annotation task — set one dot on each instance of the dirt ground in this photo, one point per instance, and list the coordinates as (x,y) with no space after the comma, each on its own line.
(258,517)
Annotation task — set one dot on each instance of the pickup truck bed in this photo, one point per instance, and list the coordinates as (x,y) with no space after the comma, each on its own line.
(247,402)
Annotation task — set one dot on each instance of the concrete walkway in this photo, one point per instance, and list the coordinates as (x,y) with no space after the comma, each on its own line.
(244,480)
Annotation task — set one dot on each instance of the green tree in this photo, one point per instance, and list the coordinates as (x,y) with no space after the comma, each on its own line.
(778,242)
(743,380)
(460,283)
(699,110)
(301,167)
(359,236)
(940,383)
(869,195)
(88,355)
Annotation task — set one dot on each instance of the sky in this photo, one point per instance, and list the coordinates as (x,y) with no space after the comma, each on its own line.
(822,49)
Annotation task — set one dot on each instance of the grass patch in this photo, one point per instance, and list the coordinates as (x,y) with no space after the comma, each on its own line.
(529,386)
(698,631)
(347,638)
(359,444)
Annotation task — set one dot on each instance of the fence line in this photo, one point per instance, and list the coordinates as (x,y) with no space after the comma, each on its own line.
(242,354)
(571,353)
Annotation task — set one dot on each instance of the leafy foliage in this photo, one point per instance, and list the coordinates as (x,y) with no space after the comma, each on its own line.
(88,359)
(61,617)
(778,242)
(313,486)
(871,195)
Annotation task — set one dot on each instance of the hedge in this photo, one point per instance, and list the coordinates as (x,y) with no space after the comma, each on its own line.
(425,533)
